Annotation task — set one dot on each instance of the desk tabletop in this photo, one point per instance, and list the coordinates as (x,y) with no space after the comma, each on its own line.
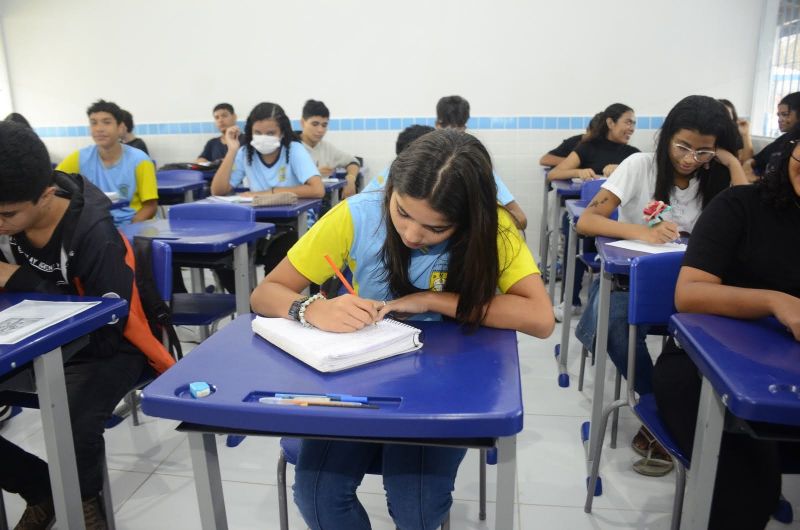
(567,188)
(753,364)
(212,236)
(456,386)
(283,212)
(575,208)
(167,186)
(58,334)
(331,185)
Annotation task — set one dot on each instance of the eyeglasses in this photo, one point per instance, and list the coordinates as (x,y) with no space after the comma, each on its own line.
(700,156)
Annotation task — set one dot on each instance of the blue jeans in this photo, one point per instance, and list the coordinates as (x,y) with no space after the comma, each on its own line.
(586,332)
(418,481)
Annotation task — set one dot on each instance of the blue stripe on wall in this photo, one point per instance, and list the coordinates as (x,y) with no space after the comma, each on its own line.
(571,123)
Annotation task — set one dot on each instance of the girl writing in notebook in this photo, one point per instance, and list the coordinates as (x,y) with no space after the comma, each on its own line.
(435,243)
(693,162)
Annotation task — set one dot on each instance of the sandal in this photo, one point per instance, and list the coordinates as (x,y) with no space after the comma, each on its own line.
(657,462)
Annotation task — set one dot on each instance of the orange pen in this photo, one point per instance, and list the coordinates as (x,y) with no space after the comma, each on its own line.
(340,275)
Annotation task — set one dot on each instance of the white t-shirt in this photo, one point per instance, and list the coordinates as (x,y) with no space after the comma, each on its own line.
(634,182)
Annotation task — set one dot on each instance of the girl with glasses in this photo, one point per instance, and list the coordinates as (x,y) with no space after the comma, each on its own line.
(693,162)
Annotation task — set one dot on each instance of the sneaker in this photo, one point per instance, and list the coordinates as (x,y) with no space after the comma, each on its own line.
(37,516)
(558,311)
(93,515)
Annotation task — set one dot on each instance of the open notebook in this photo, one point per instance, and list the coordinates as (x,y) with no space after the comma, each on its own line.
(331,352)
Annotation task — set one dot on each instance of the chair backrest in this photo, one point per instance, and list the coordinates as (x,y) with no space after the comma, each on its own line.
(210,211)
(189,175)
(590,189)
(162,269)
(652,288)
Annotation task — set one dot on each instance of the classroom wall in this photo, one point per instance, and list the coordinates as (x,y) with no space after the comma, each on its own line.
(533,71)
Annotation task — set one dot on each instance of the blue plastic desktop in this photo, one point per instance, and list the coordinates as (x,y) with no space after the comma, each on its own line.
(185,235)
(43,349)
(752,368)
(15,355)
(458,386)
(179,183)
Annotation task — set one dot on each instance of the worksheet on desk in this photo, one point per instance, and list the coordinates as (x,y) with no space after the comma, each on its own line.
(22,320)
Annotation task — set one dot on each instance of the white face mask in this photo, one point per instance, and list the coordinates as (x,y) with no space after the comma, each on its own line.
(264,144)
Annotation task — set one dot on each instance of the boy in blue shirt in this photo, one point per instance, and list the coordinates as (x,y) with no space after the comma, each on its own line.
(115,167)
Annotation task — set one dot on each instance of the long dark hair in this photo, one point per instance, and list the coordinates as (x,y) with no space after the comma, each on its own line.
(703,115)
(613,111)
(452,171)
(268,111)
(776,189)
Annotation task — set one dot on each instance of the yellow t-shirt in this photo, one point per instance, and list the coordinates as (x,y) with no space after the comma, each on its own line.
(353,233)
(133,176)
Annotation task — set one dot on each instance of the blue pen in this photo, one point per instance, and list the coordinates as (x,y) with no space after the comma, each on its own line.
(348,398)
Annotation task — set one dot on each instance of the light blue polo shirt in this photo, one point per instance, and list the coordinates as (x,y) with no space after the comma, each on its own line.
(286,172)
(378,182)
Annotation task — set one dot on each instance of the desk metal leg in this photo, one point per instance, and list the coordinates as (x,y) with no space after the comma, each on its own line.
(188,196)
(506,482)
(600,356)
(302,223)
(543,224)
(705,453)
(334,197)
(197,280)
(241,271)
(57,428)
(553,252)
(569,288)
(208,481)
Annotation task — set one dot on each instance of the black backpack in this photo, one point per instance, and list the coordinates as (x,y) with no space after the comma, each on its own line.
(158,312)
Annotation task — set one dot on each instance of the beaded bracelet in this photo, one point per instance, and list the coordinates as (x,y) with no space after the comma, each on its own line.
(304,306)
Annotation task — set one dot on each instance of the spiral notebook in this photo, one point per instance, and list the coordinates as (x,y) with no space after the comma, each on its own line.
(331,352)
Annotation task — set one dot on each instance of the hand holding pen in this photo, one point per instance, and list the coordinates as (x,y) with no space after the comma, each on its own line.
(344,313)
(658,229)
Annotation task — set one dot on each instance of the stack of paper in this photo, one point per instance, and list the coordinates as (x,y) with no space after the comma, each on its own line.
(29,316)
(331,352)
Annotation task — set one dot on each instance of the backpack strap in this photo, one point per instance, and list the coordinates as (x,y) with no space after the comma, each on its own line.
(5,248)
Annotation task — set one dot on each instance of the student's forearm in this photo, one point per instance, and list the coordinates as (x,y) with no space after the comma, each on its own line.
(738,177)
(515,210)
(221,183)
(550,160)
(726,300)
(303,191)
(146,212)
(562,174)
(273,299)
(201,160)
(505,311)
(592,224)
(352,173)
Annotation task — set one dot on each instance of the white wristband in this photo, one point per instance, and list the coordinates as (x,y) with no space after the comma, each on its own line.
(304,306)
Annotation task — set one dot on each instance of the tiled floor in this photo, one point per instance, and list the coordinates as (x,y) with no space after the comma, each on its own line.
(153,488)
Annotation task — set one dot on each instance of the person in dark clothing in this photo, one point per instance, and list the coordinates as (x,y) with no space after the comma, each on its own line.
(557,155)
(128,138)
(57,236)
(788,117)
(217,147)
(740,235)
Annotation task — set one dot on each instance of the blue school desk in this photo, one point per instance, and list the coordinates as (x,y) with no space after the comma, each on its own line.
(44,351)
(181,187)
(460,390)
(564,189)
(193,237)
(614,261)
(750,368)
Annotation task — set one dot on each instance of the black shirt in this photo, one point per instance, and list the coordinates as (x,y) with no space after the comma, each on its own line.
(215,149)
(46,261)
(567,146)
(746,242)
(138,143)
(600,152)
(761,160)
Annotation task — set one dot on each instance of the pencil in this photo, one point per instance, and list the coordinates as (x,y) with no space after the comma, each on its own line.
(340,275)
